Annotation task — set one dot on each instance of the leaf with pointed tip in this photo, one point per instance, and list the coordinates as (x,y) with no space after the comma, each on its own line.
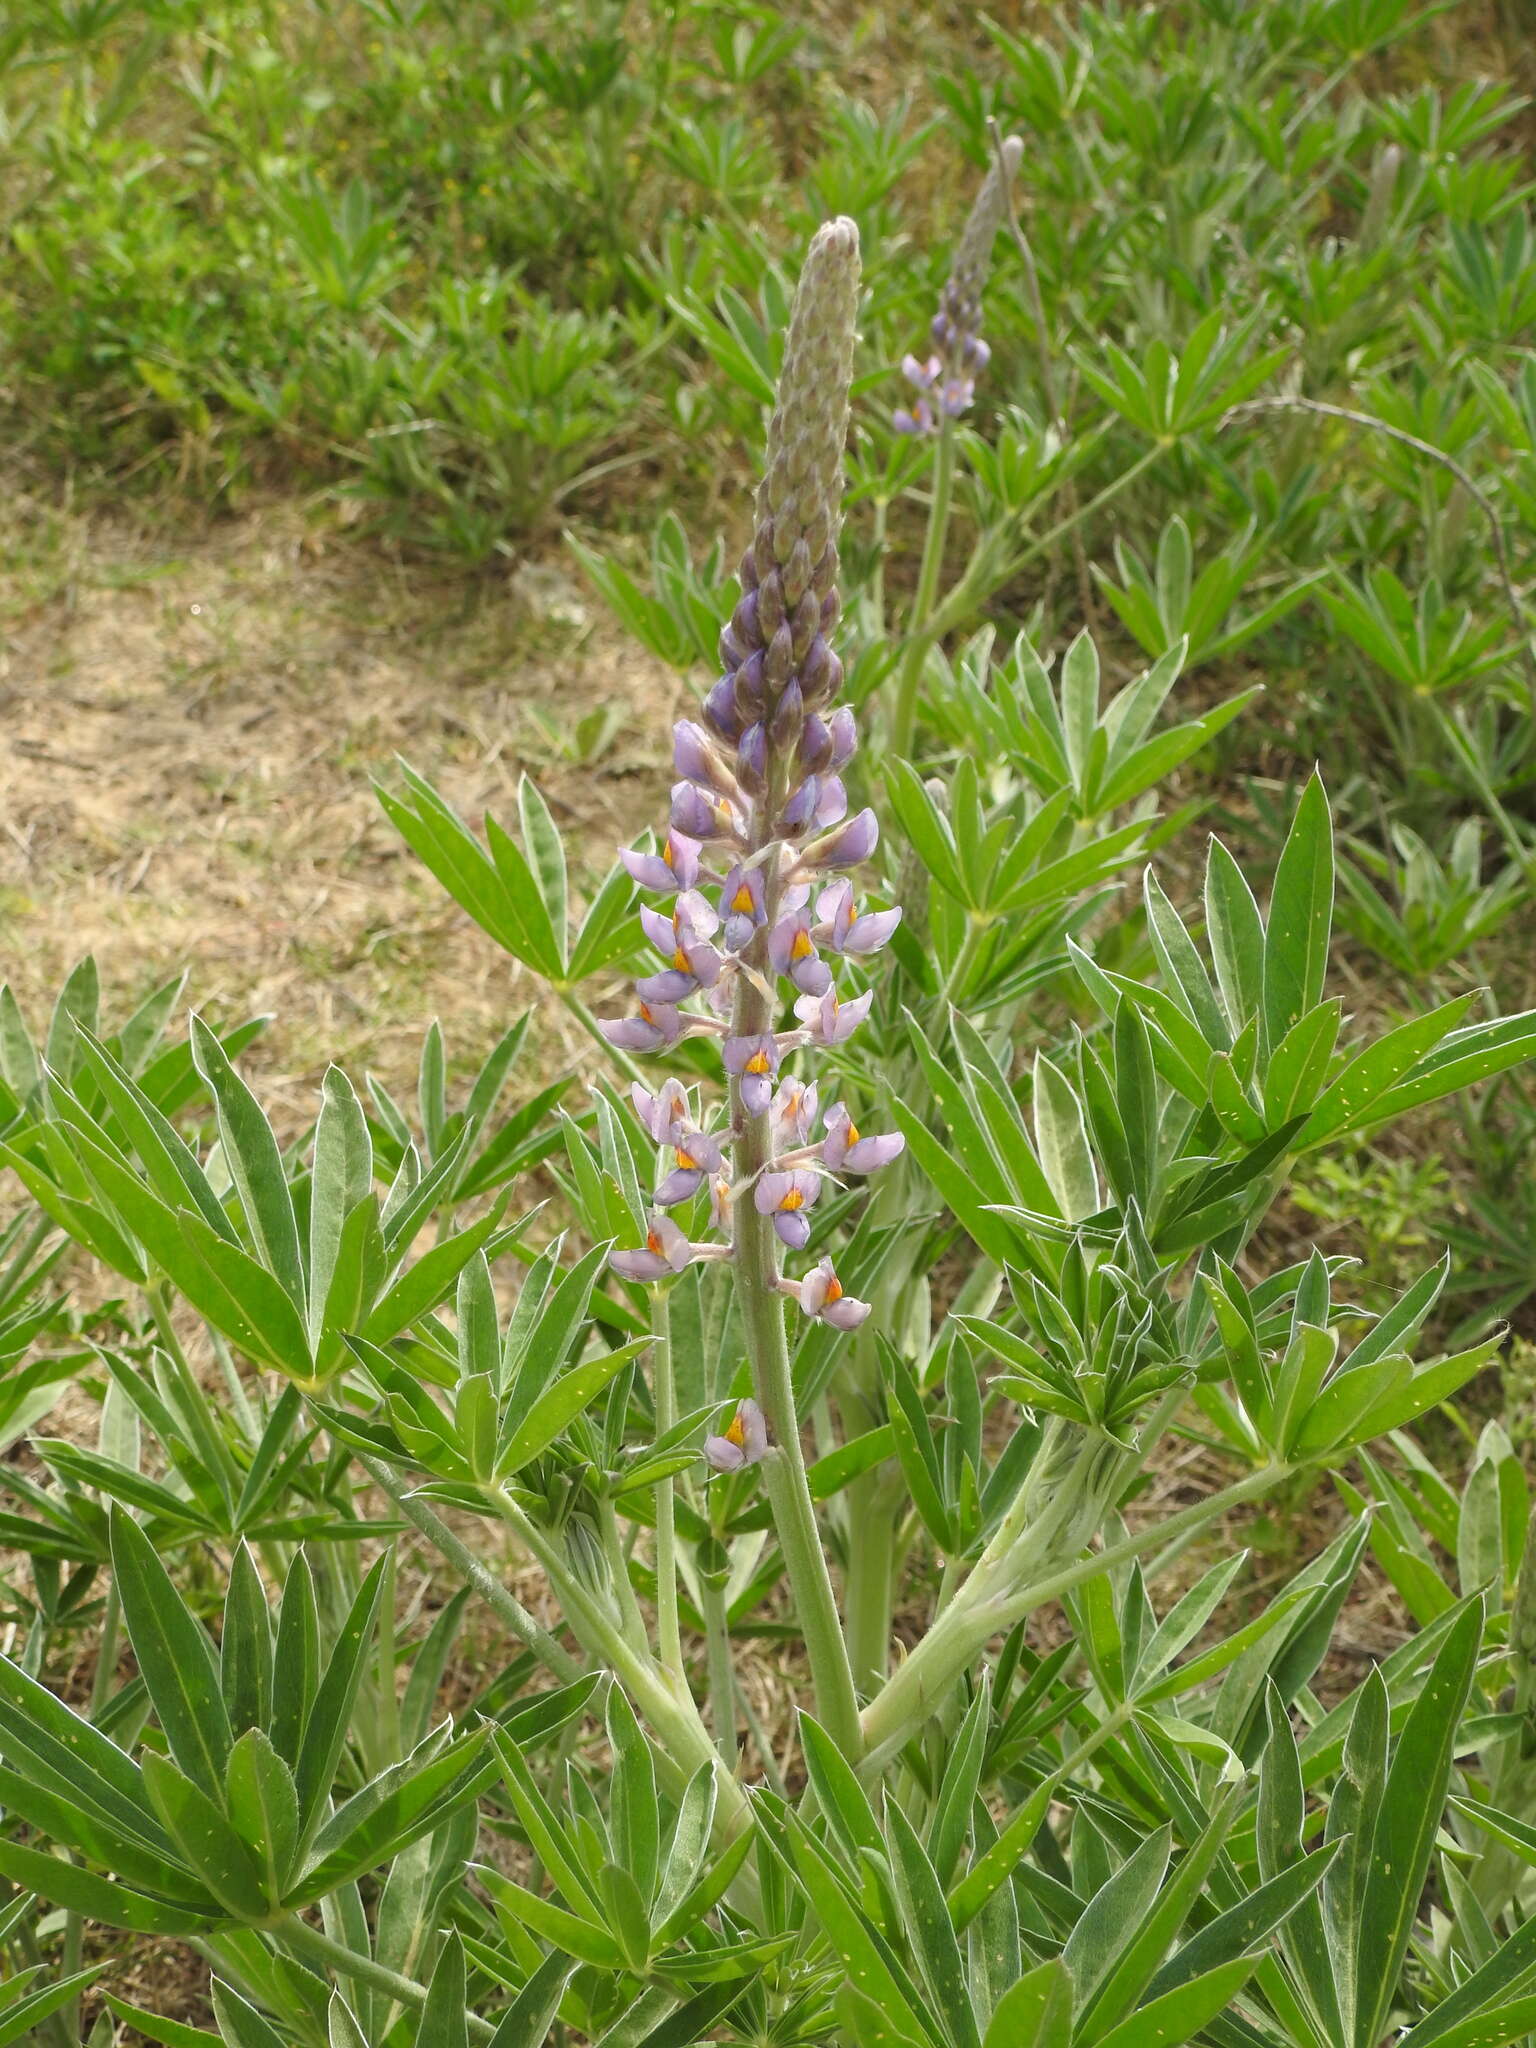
(105,1899)
(175,1658)
(206,1840)
(255,1162)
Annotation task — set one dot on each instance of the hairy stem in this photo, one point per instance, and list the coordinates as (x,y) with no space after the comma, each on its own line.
(664,1385)
(756,1268)
(304,1940)
(988,1604)
(919,640)
(722,1672)
(473,1571)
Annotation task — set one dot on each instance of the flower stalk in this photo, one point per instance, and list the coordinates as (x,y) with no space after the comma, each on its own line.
(755,861)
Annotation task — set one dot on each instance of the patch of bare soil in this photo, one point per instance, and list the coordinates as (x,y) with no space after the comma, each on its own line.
(191,727)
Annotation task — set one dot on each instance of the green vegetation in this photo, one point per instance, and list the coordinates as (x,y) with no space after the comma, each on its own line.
(450,1596)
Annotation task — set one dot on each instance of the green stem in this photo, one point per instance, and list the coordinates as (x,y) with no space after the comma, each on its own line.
(1129,1548)
(722,1672)
(101,1690)
(978,925)
(974,586)
(664,1385)
(665,1702)
(873,1516)
(305,1940)
(474,1572)
(756,1267)
(986,1605)
(919,639)
(1463,751)
(589,1024)
(631,1621)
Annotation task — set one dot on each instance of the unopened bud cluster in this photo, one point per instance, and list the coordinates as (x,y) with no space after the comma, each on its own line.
(755,859)
(945,381)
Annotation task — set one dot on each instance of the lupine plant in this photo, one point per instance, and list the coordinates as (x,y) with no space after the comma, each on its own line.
(890,1673)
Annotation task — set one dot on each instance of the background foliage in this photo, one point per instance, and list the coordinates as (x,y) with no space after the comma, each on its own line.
(1262,416)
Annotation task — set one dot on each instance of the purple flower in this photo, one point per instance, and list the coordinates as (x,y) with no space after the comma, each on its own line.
(745,1441)
(847,846)
(919,420)
(662,1113)
(844,1151)
(828,744)
(701,815)
(665,1251)
(842,930)
(755,1061)
(720,1204)
(657,1028)
(683,941)
(794,1112)
(821,1295)
(697,1154)
(743,907)
(829,1021)
(696,758)
(675,867)
(721,713)
(786,1197)
(792,951)
(752,757)
(820,800)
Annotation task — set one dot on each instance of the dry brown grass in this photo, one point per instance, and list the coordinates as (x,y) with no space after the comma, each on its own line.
(193,721)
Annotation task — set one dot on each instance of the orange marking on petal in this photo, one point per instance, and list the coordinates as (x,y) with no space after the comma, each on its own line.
(737,1433)
(680,961)
(684,1159)
(793,1200)
(743,900)
(834,1288)
(653,1243)
(758,1064)
(802,949)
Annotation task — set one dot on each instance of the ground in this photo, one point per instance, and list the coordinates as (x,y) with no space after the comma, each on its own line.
(194,719)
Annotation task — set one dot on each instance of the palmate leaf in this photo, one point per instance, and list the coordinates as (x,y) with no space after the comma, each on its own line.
(326,1727)
(930,1930)
(170,2033)
(1300,917)
(207,1842)
(1403,1837)
(1179,2015)
(406,1802)
(175,1657)
(24,2008)
(498,889)
(107,1900)
(859,1946)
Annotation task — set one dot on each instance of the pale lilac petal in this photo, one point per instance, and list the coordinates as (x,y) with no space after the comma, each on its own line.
(845,735)
(831,800)
(725,1456)
(866,1155)
(867,934)
(667,988)
(648,869)
(638,1265)
(846,1314)
(755,1430)
(848,845)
